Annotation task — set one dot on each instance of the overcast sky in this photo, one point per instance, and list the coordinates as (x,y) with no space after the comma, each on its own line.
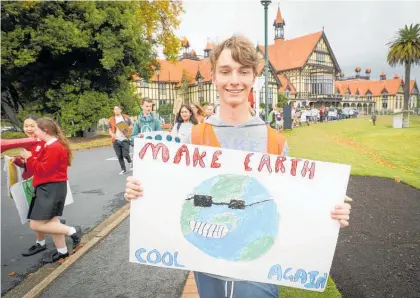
(357,30)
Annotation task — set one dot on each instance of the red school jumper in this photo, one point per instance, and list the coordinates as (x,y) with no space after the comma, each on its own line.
(20,162)
(51,163)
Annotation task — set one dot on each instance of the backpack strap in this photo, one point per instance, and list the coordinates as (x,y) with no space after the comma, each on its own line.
(275,141)
(203,134)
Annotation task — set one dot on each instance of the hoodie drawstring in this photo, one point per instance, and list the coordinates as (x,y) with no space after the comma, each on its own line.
(231,289)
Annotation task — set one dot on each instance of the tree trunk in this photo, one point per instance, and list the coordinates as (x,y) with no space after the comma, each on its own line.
(407,85)
(8,110)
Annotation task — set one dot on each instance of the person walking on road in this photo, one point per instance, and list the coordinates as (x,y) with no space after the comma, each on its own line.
(50,184)
(119,129)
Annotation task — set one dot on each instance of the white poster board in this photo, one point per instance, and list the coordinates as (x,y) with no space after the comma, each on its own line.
(21,191)
(242,215)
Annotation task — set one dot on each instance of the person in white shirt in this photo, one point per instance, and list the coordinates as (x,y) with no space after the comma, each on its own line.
(184,122)
(121,139)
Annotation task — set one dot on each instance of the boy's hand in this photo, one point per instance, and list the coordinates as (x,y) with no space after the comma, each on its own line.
(133,189)
(341,213)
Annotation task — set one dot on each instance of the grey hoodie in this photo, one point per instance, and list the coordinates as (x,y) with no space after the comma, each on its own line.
(249,136)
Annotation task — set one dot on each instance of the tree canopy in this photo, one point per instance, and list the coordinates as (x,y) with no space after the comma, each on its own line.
(74,60)
(405,50)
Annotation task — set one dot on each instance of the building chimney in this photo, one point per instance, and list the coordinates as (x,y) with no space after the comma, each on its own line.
(357,70)
(382,76)
(367,72)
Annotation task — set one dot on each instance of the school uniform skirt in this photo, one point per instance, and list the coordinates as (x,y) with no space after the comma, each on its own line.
(48,201)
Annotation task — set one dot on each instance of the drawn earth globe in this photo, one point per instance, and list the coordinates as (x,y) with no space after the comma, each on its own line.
(230,217)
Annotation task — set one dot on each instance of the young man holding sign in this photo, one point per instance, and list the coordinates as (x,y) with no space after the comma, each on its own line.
(234,69)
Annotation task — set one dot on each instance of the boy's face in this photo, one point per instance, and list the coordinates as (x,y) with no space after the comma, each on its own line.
(117,111)
(209,110)
(147,108)
(233,80)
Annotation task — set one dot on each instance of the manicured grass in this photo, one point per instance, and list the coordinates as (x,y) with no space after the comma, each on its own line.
(330,292)
(371,150)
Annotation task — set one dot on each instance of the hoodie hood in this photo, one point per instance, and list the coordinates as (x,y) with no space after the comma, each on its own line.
(249,136)
(217,122)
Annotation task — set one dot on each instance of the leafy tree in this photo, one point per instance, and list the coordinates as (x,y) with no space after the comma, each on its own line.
(281,100)
(73,60)
(405,50)
(165,109)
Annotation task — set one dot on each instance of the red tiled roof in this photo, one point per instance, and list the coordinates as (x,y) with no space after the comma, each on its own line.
(375,87)
(293,53)
(172,71)
(284,81)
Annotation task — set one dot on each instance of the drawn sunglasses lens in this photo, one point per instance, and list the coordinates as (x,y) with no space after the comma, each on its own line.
(202,201)
(149,138)
(169,138)
(158,137)
(237,204)
(177,140)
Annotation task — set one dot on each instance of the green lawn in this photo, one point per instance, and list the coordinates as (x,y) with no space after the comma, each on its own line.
(371,150)
(330,292)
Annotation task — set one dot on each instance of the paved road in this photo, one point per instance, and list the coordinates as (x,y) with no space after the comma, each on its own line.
(97,191)
(105,272)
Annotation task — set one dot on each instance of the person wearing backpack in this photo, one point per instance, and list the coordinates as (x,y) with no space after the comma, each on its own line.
(147,122)
(185,120)
(234,67)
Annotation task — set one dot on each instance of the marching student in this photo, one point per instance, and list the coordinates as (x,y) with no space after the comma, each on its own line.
(121,139)
(184,122)
(50,183)
(234,66)
(198,112)
(29,127)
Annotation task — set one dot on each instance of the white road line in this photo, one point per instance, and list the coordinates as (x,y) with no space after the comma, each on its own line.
(116,158)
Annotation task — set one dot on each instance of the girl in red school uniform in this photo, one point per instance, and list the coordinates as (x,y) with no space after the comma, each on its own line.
(50,183)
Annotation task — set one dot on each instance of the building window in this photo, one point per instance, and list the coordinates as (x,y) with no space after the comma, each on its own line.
(369,96)
(162,89)
(320,57)
(384,100)
(307,83)
(144,84)
(322,85)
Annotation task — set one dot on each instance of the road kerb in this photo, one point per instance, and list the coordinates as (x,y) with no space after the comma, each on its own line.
(94,236)
(190,288)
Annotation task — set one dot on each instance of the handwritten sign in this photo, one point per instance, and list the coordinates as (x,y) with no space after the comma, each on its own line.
(242,215)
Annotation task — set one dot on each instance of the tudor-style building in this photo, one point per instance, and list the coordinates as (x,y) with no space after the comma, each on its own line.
(367,95)
(307,63)
(304,69)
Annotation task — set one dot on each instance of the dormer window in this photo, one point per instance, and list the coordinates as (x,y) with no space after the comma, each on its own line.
(369,96)
(347,95)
